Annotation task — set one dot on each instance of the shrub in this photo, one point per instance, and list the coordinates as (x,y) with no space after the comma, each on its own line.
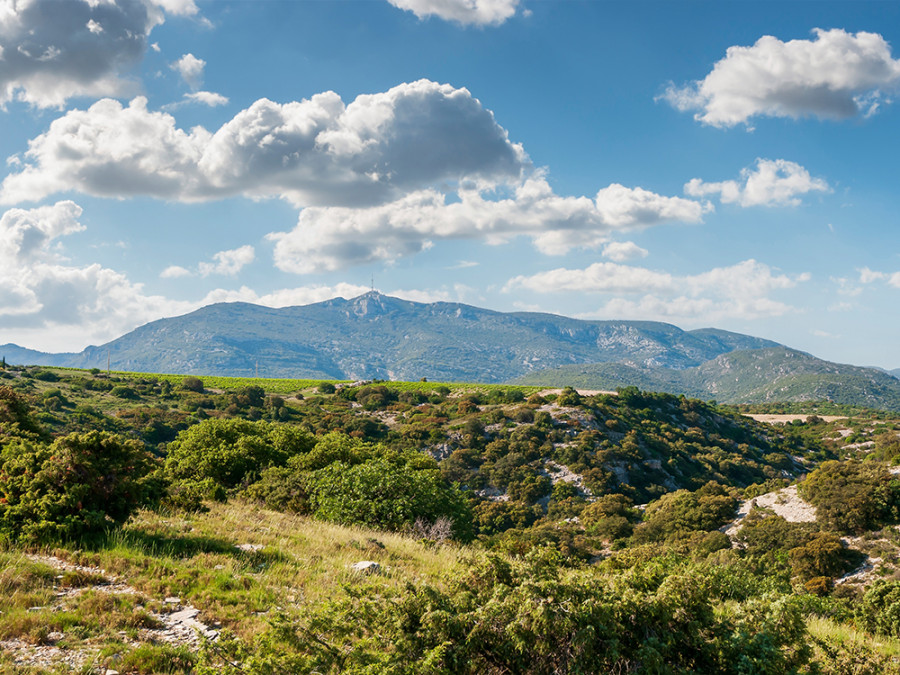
(879,610)
(822,556)
(192,384)
(386,493)
(853,496)
(234,451)
(81,484)
(682,511)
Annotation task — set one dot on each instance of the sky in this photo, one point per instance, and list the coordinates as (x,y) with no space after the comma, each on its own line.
(707,164)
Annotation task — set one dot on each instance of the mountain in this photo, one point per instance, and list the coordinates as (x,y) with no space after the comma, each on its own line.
(378,336)
(19,355)
(741,376)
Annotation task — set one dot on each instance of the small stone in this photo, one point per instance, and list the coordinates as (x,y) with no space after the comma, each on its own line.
(110,671)
(172,601)
(366,567)
(250,548)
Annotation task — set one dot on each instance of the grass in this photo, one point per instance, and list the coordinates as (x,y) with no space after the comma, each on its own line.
(303,563)
(194,557)
(836,633)
(288,386)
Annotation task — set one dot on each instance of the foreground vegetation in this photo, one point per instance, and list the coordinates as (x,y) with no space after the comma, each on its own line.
(512,532)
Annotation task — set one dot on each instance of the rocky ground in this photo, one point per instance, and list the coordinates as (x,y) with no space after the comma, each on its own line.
(178,625)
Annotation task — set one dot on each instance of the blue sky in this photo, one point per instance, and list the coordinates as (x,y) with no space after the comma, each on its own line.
(702,163)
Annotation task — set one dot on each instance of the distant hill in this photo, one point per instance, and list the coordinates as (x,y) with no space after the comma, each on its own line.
(741,376)
(377,336)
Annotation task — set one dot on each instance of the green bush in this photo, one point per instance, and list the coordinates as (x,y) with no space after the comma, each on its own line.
(387,493)
(79,485)
(681,512)
(822,556)
(533,617)
(232,452)
(879,611)
(192,384)
(853,496)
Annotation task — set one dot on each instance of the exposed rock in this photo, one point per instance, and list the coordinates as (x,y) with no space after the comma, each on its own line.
(250,548)
(366,567)
(786,503)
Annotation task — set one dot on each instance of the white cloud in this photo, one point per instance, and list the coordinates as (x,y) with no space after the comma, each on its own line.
(53,51)
(26,236)
(738,291)
(228,263)
(465,12)
(620,251)
(772,183)
(175,272)
(868,276)
(336,237)
(836,75)
(177,7)
(190,68)
(50,305)
(57,304)
(210,98)
(316,151)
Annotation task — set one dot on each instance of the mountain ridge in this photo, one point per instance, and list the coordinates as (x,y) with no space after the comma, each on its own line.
(375,336)
(379,336)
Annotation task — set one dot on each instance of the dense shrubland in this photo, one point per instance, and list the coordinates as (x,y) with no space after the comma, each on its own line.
(593,526)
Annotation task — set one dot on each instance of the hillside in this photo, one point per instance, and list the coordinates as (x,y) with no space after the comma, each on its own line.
(373,528)
(377,336)
(743,376)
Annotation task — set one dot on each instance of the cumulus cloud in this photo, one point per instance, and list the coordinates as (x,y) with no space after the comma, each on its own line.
(228,263)
(738,291)
(336,237)
(42,295)
(620,251)
(836,75)
(177,7)
(190,68)
(771,183)
(27,235)
(53,51)
(317,151)
(464,12)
